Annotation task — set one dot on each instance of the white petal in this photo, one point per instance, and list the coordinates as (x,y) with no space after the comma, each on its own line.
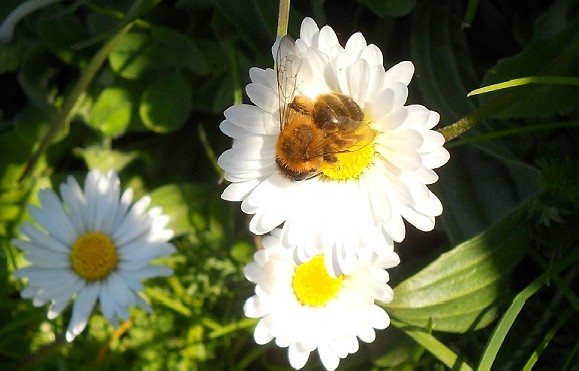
(307,30)
(239,191)
(296,357)
(262,97)
(252,119)
(261,334)
(82,309)
(74,202)
(355,44)
(330,360)
(401,72)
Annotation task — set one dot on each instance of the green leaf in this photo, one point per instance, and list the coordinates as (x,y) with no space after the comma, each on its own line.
(436,348)
(111,113)
(554,50)
(393,8)
(105,159)
(166,104)
(14,151)
(544,80)
(480,184)
(135,55)
(190,209)
(504,325)
(462,289)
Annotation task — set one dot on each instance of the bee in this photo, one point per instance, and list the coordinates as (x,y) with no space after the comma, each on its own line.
(314,132)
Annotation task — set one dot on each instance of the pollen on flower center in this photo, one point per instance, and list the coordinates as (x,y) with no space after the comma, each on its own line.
(93,256)
(349,164)
(312,284)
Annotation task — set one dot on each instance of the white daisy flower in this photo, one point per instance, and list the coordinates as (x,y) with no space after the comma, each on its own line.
(349,181)
(304,308)
(94,245)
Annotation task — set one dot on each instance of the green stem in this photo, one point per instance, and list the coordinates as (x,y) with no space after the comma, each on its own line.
(283,17)
(62,119)
(472,119)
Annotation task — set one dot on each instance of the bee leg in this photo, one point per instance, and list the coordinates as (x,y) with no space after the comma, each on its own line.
(331,159)
(330,155)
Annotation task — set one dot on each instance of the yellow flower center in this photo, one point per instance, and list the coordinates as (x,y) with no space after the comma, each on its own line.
(350,164)
(312,284)
(93,256)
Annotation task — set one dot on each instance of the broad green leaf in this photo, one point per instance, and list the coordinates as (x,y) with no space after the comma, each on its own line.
(393,8)
(463,288)
(166,104)
(554,50)
(135,55)
(105,159)
(112,111)
(482,183)
(190,208)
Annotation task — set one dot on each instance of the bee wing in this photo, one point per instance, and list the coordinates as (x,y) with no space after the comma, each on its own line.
(343,135)
(341,124)
(288,65)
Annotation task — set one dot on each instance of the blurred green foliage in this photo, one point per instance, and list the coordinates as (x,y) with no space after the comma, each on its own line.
(152,109)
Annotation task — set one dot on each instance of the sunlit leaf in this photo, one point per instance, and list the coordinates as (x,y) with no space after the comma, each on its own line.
(166,104)
(14,152)
(189,207)
(462,289)
(135,55)
(436,348)
(542,80)
(103,160)
(111,112)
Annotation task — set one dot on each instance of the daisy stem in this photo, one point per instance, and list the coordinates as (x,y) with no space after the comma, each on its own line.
(283,17)
(477,116)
